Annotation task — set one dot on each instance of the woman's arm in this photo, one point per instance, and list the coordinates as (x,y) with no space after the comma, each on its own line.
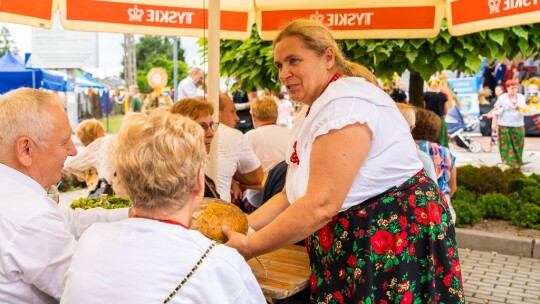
(453,181)
(333,167)
(268,211)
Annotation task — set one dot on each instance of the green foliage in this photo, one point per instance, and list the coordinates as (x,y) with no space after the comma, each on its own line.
(507,195)
(164,63)
(521,182)
(535,177)
(530,194)
(88,203)
(252,59)
(495,205)
(464,194)
(482,180)
(6,43)
(157,51)
(466,213)
(527,216)
(150,47)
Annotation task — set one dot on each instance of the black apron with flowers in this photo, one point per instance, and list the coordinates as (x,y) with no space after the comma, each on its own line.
(398,247)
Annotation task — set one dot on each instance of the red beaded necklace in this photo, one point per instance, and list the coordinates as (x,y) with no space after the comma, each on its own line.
(163,221)
(294,156)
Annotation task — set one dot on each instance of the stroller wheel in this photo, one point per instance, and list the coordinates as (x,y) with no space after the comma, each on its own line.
(475,146)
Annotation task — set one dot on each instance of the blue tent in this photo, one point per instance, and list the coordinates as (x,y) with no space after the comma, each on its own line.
(13,75)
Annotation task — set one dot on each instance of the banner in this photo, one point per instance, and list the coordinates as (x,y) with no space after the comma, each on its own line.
(466,90)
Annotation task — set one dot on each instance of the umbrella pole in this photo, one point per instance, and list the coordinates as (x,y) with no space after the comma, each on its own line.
(213,77)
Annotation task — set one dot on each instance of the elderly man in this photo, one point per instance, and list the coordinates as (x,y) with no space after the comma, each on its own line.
(189,86)
(37,236)
(268,140)
(235,157)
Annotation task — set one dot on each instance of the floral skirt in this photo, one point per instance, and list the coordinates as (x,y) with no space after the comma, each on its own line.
(511,141)
(398,247)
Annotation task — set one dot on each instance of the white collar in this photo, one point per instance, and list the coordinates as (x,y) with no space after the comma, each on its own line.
(22,178)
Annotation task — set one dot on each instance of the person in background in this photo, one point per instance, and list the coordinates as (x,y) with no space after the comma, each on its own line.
(144,258)
(484,96)
(424,134)
(510,125)
(188,87)
(409,113)
(492,120)
(488,76)
(398,93)
(38,236)
(377,227)
(437,102)
(88,131)
(285,110)
(242,102)
(268,141)
(155,100)
(97,155)
(237,162)
(499,73)
(201,112)
(135,103)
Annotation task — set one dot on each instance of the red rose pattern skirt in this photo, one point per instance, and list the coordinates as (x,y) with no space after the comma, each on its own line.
(511,141)
(398,247)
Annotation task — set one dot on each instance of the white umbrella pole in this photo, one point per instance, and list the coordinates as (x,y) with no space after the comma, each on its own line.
(213,77)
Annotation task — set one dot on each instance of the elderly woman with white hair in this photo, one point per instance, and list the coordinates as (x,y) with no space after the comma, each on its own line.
(153,257)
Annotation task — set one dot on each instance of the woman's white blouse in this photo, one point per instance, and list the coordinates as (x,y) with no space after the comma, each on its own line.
(392,158)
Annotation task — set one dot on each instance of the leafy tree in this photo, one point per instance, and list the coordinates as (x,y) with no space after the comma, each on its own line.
(157,51)
(251,60)
(6,43)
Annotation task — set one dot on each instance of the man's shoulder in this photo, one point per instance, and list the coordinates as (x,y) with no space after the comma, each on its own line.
(20,203)
(230,132)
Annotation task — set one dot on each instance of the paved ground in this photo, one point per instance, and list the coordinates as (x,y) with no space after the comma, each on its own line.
(497,278)
(488,277)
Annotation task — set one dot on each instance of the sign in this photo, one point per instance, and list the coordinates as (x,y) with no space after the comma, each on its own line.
(30,12)
(172,18)
(361,21)
(470,16)
(58,48)
(157,78)
(466,90)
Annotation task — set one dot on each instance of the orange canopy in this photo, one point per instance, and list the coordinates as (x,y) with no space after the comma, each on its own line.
(348,19)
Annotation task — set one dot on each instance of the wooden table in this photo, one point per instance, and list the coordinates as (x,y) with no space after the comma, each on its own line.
(287,272)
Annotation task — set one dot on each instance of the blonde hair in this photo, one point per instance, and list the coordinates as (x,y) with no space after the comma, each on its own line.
(318,38)
(89,130)
(434,83)
(408,113)
(264,109)
(192,108)
(24,112)
(158,158)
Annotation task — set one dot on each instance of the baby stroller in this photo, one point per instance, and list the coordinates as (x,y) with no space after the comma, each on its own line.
(456,126)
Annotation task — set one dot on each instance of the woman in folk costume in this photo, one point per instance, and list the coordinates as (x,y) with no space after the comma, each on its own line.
(377,229)
(511,124)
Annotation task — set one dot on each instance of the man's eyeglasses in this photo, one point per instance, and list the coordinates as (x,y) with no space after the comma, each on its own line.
(213,125)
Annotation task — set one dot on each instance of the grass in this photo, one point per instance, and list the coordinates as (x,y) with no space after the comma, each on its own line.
(113,124)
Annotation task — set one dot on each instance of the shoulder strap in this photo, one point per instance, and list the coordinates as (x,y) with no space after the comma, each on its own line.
(190,273)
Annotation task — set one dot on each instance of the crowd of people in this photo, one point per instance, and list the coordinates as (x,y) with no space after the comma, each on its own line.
(372,201)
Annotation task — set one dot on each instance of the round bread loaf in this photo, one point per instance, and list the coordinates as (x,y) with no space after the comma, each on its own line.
(213,214)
